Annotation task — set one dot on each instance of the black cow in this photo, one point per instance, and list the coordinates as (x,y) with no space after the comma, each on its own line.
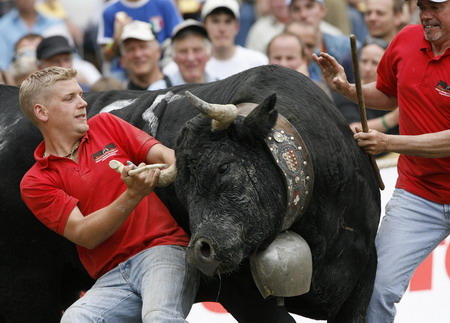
(339,222)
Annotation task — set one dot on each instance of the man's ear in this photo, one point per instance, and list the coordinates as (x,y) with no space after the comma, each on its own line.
(41,112)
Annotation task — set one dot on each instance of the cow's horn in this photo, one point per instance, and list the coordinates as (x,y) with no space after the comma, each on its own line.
(167,176)
(222,115)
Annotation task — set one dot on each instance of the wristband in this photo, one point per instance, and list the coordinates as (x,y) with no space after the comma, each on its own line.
(383,122)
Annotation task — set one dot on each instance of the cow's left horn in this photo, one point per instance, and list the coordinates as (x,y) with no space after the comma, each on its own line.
(167,176)
(222,115)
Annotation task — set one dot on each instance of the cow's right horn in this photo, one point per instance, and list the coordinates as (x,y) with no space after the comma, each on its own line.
(222,115)
(167,176)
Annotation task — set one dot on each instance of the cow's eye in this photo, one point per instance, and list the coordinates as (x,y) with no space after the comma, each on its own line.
(223,168)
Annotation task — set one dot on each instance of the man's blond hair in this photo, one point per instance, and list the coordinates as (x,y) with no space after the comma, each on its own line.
(36,87)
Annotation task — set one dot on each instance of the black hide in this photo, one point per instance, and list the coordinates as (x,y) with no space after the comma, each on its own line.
(40,273)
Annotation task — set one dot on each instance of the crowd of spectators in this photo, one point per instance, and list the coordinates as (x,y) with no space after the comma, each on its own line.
(149,45)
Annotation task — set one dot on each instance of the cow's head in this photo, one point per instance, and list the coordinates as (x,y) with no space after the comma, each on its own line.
(229,184)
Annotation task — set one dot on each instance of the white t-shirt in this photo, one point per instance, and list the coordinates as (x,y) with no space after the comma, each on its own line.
(261,33)
(242,60)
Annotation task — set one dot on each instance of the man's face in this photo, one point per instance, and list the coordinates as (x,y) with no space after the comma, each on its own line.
(61,60)
(66,108)
(139,57)
(380,19)
(435,19)
(222,29)
(191,54)
(286,51)
(368,62)
(308,11)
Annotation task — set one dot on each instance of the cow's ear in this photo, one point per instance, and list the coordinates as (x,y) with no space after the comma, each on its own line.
(263,117)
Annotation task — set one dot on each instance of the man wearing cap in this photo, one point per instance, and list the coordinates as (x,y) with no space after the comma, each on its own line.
(221,19)
(413,74)
(140,57)
(191,50)
(162,15)
(56,51)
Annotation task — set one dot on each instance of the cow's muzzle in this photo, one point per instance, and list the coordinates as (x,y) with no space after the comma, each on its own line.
(201,254)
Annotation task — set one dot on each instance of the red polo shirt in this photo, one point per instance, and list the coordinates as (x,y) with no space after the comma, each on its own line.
(55,185)
(421,82)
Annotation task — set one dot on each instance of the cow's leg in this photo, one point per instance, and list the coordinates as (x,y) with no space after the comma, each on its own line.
(355,308)
(242,299)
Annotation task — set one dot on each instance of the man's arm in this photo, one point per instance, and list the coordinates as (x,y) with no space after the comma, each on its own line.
(431,145)
(334,75)
(91,230)
(160,154)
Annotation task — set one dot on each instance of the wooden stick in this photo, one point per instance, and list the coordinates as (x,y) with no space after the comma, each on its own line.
(362,107)
(118,167)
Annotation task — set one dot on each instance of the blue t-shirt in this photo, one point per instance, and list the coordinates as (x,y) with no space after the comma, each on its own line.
(161,14)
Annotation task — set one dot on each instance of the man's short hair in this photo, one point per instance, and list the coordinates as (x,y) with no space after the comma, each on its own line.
(34,88)
(286,34)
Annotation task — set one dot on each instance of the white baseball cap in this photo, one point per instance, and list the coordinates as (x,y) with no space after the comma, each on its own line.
(137,29)
(189,24)
(211,5)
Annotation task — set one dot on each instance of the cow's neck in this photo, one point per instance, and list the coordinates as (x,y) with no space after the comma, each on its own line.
(293,159)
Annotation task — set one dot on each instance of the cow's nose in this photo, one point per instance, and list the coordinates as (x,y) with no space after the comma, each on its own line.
(201,254)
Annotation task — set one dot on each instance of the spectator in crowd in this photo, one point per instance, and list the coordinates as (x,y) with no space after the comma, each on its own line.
(384,18)
(413,75)
(287,50)
(312,12)
(125,236)
(221,19)
(56,51)
(106,83)
(191,50)
(162,15)
(22,20)
(266,27)
(25,62)
(141,52)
